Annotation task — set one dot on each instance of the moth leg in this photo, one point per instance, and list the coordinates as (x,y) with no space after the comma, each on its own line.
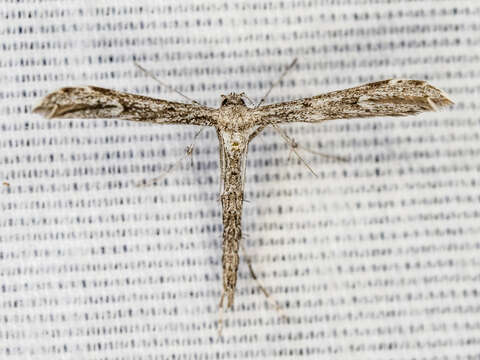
(289,156)
(220,314)
(229,295)
(326,156)
(293,146)
(176,165)
(257,131)
(173,167)
(269,297)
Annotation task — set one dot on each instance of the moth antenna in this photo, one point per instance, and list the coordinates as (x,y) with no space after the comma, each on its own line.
(188,153)
(171,88)
(293,146)
(277,82)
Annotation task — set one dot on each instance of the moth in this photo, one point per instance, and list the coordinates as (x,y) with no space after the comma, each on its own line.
(237,124)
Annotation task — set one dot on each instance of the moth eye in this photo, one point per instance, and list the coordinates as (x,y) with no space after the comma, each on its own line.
(224,102)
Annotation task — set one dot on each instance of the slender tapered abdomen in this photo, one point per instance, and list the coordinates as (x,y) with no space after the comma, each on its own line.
(233,151)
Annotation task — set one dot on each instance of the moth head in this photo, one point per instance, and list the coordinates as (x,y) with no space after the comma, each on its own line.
(233,99)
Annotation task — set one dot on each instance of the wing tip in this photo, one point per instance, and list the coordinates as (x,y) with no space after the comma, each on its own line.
(43,108)
(446,100)
(70,101)
(49,111)
(47,106)
(437,97)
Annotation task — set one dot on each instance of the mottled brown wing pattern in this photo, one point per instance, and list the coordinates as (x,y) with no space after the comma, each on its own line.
(393,97)
(95,102)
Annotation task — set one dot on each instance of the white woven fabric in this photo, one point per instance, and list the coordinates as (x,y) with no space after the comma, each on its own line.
(377,258)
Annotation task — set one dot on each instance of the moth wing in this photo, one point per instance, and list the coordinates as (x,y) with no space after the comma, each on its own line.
(91,102)
(395,97)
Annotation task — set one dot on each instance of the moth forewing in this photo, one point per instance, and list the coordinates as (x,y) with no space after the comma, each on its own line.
(395,97)
(90,102)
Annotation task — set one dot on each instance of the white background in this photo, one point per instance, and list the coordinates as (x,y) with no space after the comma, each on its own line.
(377,258)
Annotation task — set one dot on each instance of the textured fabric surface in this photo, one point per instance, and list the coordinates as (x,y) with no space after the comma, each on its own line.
(376,258)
